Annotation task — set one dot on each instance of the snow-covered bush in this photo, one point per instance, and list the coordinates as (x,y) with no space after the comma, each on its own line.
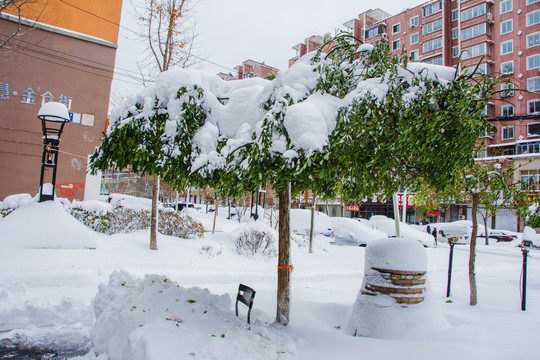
(252,241)
(123,220)
(533,216)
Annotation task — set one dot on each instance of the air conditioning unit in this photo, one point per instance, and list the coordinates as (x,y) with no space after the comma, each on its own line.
(462,217)
(489,17)
(384,36)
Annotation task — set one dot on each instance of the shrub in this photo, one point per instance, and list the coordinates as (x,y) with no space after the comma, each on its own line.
(533,216)
(5,212)
(253,241)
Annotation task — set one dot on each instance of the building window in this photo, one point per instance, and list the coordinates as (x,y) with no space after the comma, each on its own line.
(533,84)
(533,107)
(415,54)
(529,178)
(455,15)
(414,38)
(414,21)
(455,33)
(507,47)
(533,18)
(507,27)
(432,45)
(507,67)
(533,39)
(455,51)
(529,2)
(473,12)
(435,60)
(507,110)
(474,31)
(507,133)
(506,6)
(508,90)
(396,44)
(370,33)
(432,9)
(432,27)
(476,50)
(533,129)
(533,62)
(396,28)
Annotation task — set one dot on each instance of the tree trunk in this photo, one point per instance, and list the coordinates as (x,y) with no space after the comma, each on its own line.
(284,266)
(486,233)
(311,227)
(215,216)
(154,219)
(472,254)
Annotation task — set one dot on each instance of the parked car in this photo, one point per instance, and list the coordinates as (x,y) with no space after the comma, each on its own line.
(387,225)
(460,230)
(502,235)
(352,231)
(301,223)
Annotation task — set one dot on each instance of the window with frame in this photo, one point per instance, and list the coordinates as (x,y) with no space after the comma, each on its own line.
(414,38)
(506,6)
(480,69)
(435,60)
(533,39)
(370,33)
(507,47)
(507,110)
(476,50)
(533,107)
(533,129)
(455,15)
(415,55)
(432,27)
(507,132)
(396,28)
(507,26)
(507,90)
(529,178)
(507,67)
(533,18)
(533,62)
(474,31)
(530,2)
(455,33)
(396,44)
(414,21)
(533,84)
(455,51)
(473,12)
(432,45)
(432,9)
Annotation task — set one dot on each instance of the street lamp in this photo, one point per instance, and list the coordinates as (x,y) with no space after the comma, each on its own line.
(53,117)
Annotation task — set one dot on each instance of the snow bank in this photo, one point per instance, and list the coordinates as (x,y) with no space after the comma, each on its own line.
(16,201)
(52,227)
(380,316)
(387,225)
(154,318)
(351,229)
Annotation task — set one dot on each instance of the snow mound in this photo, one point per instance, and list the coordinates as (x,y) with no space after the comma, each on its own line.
(135,318)
(387,225)
(380,316)
(16,201)
(52,227)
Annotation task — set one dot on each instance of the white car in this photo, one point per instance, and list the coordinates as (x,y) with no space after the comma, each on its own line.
(354,231)
(301,223)
(387,225)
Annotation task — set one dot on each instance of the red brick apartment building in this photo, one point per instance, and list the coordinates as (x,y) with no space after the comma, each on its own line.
(503,35)
(249,69)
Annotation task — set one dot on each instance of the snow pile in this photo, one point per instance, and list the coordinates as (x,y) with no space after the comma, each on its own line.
(380,316)
(95,206)
(301,222)
(387,225)
(16,201)
(255,238)
(52,227)
(130,202)
(154,318)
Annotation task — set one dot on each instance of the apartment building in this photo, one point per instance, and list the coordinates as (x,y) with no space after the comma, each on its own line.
(499,37)
(249,69)
(63,51)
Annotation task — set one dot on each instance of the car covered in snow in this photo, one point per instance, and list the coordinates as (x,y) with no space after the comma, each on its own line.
(352,231)
(301,223)
(388,226)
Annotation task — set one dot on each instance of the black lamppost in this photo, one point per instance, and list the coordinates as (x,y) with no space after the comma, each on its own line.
(53,116)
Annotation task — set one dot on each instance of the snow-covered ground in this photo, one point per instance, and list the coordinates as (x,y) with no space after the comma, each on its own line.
(113,298)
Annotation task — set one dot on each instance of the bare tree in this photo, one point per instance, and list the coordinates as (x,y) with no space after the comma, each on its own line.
(15,7)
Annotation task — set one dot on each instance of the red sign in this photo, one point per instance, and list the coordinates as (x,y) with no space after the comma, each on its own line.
(352,207)
(409,200)
(69,189)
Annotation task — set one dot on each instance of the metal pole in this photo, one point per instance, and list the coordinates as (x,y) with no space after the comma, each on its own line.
(450,260)
(524,284)
(396,214)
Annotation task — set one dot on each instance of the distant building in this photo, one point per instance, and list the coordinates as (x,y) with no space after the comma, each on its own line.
(65,52)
